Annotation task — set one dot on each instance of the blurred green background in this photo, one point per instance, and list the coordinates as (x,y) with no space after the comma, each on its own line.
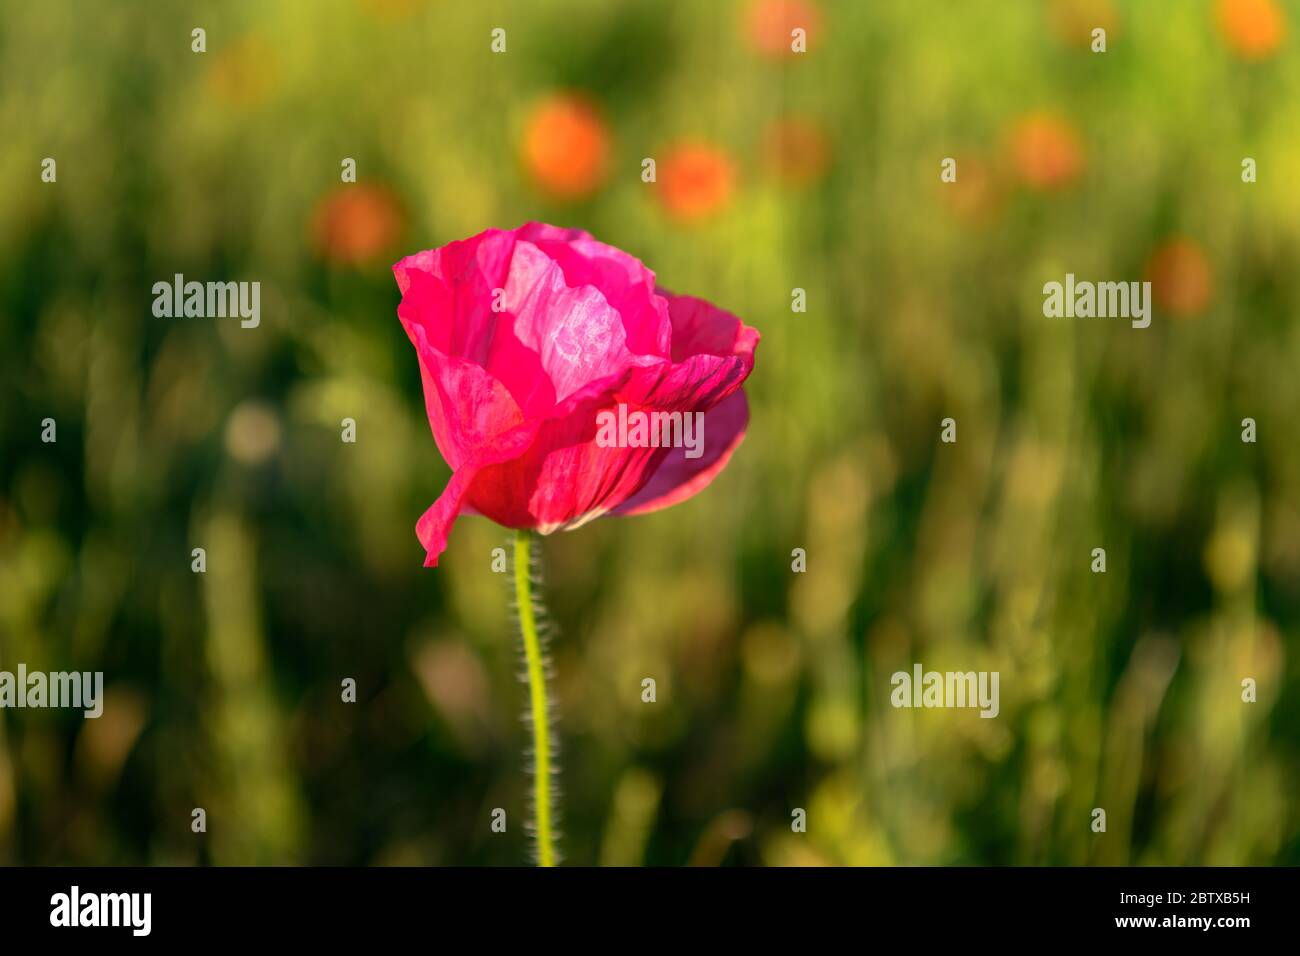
(775,171)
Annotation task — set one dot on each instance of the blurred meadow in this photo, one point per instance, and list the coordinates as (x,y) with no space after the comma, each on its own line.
(775,171)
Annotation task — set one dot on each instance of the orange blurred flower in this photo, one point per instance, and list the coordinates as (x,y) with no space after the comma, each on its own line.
(770,25)
(1074,20)
(1046,151)
(1254,29)
(355,223)
(977,194)
(1180,277)
(695,180)
(796,149)
(566,146)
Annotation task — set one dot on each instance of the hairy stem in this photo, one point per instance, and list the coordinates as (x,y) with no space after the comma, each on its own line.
(539,710)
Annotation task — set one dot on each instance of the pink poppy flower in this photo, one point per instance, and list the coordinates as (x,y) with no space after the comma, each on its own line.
(524,338)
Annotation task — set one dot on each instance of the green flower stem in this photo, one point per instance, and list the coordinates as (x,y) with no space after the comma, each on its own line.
(538,708)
